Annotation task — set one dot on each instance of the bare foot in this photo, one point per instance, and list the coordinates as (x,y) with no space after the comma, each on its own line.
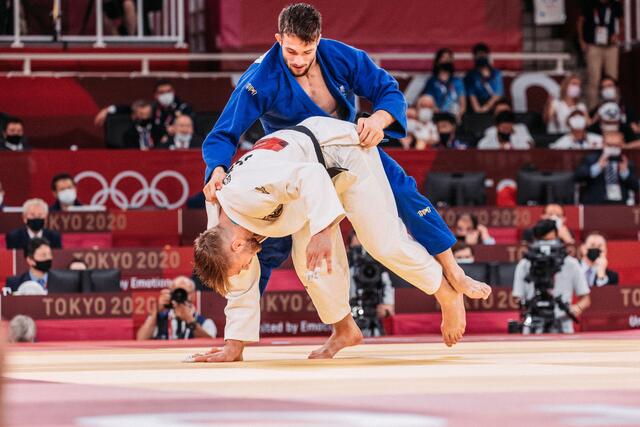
(453,321)
(345,334)
(468,286)
(453,313)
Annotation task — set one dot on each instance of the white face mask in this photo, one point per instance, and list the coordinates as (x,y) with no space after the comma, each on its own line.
(425,115)
(166,99)
(609,93)
(183,138)
(412,125)
(573,91)
(578,122)
(68,196)
(612,151)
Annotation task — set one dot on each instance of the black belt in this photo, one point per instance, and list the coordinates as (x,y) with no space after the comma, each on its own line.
(316,146)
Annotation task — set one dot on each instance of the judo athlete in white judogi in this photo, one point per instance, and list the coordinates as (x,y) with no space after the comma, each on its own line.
(281,188)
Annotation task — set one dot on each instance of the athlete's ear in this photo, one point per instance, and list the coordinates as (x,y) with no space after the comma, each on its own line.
(237,245)
(278,38)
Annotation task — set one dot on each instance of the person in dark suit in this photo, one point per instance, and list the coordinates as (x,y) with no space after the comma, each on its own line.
(13,138)
(39,258)
(64,190)
(608,175)
(143,133)
(34,216)
(594,262)
(183,137)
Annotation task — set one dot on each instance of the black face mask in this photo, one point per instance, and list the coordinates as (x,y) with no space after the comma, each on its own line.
(143,122)
(35,224)
(14,139)
(43,266)
(444,138)
(504,137)
(593,254)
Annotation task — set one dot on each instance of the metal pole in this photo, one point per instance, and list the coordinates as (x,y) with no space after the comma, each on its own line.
(99,25)
(16,25)
(144,70)
(181,43)
(56,14)
(627,24)
(140,17)
(165,19)
(26,66)
(173,18)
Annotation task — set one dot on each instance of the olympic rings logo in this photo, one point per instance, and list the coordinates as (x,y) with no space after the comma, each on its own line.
(141,196)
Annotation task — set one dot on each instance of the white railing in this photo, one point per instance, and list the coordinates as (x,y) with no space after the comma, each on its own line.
(631,23)
(145,59)
(168,26)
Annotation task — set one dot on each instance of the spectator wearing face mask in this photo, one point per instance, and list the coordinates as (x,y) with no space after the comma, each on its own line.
(446,89)
(557,110)
(520,130)
(594,262)
(463,253)
(183,138)
(578,137)
(13,138)
(607,176)
(164,109)
(468,230)
(505,137)
(484,84)
(610,92)
(448,133)
(34,216)
(39,258)
(65,193)
(609,119)
(143,134)
(554,212)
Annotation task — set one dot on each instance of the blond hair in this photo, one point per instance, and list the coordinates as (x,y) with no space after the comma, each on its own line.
(211,260)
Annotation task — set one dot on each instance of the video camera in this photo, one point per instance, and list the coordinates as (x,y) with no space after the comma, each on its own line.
(367,276)
(538,313)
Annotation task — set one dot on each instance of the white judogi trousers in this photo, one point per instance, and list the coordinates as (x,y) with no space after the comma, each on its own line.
(271,181)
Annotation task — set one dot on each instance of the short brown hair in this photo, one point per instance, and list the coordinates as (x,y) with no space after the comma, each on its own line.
(301,20)
(211,261)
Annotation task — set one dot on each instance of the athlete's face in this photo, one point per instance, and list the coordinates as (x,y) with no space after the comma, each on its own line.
(298,55)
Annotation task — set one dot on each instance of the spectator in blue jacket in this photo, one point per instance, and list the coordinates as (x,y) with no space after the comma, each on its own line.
(445,88)
(483,83)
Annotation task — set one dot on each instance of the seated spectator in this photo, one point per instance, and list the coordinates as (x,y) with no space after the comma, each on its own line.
(173,320)
(39,258)
(554,212)
(557,110)
(483,83)
(609,119)
(13,138)
(77,264)
(594,261)
(610,92)
(468,230)
(446,89)
(520,130)
(34,216)
(164,110)
(448,132)
(505,137)
(184,137)
(143,134)
(578,138)
(463,253)
(64,191)
(608,176)
(120,17)
(22,329)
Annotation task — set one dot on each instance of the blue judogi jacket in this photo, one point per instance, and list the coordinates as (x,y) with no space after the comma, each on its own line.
(268,91)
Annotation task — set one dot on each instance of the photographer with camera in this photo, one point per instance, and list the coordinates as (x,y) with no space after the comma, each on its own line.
(175,317)
(371,293)
(545,282)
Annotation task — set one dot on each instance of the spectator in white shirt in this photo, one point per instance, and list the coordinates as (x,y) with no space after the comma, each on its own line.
(578,138)
(505,137)
(558,110)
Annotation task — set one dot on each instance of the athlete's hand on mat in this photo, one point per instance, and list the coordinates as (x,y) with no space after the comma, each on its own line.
(214,184)
(370,130)
(318,249)
(231,352)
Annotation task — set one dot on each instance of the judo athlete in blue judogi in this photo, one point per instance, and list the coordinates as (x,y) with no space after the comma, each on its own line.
(302,76)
